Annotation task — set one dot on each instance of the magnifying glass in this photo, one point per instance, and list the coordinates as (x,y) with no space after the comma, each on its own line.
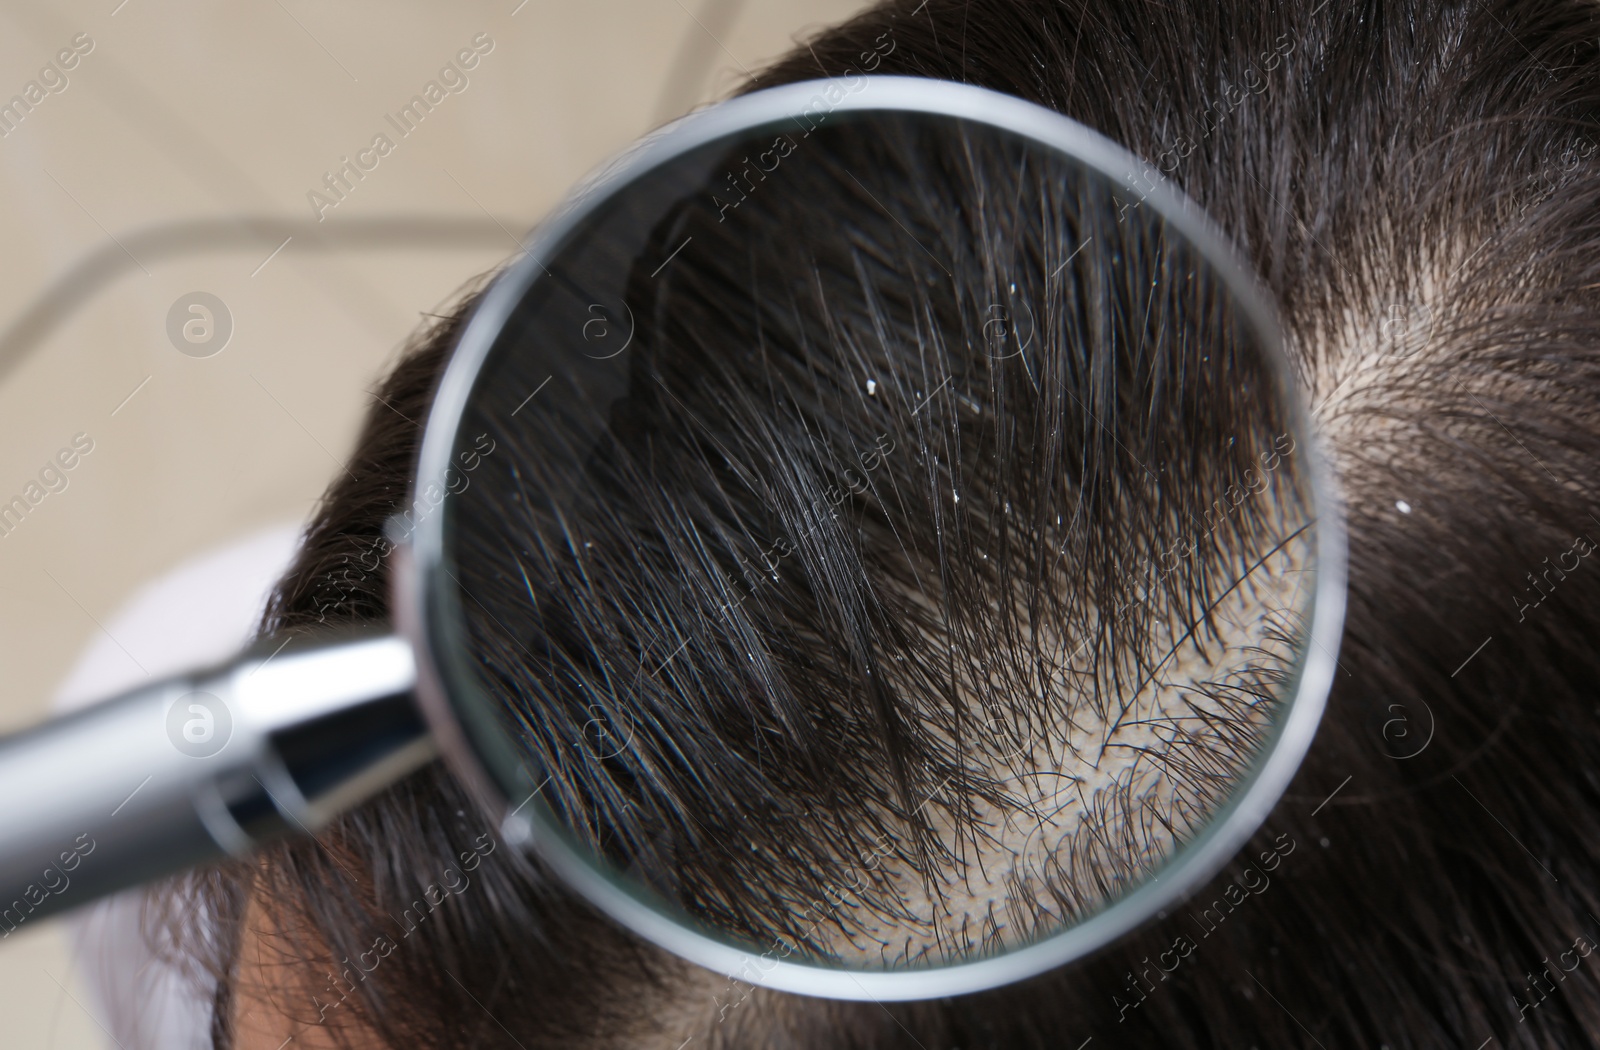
(870,545)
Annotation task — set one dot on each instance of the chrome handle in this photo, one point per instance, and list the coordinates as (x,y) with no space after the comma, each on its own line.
(277,741)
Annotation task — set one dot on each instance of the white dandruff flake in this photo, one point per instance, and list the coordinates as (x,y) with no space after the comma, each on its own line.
(1402,506)
(872,388)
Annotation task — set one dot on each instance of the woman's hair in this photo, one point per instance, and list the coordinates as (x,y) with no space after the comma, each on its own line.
(1416,187)
(905,558)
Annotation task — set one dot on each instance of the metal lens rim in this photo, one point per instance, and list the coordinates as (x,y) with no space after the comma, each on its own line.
(431,612)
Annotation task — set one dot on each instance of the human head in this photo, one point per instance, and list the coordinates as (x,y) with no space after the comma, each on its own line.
(1403,182)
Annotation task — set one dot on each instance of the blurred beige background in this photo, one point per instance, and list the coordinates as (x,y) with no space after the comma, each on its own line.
(177,158)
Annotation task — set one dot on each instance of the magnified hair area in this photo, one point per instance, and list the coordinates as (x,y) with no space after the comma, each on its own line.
(938,573)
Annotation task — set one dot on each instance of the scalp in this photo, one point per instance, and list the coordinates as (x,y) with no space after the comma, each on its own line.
(1413,184)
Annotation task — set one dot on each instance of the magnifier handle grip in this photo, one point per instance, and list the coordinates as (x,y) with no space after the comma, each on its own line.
(200,766)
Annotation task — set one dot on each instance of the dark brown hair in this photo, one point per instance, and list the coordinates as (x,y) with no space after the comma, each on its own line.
(1415,184)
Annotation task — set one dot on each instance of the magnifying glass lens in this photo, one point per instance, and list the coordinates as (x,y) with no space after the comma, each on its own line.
(877,540)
